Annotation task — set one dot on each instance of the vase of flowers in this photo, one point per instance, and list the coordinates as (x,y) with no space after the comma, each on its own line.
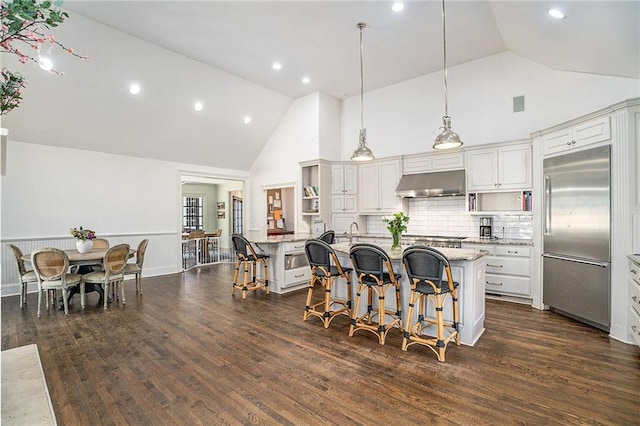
(396,224)
(84,239)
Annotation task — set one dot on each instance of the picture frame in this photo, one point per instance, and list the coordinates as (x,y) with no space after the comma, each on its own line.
(221,214)
(220,205)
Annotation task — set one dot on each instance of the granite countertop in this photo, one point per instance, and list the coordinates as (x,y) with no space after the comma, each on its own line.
(275,239)
(635,258)
(451,253)
(498,241)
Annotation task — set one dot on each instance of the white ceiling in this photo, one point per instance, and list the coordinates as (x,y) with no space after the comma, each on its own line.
(319,39)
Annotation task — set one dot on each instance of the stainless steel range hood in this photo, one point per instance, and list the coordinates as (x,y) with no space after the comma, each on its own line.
(437,184)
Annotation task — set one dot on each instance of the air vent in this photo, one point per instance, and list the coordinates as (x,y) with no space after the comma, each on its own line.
(518,104)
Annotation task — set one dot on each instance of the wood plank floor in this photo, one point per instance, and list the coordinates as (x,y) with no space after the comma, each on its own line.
(188,353)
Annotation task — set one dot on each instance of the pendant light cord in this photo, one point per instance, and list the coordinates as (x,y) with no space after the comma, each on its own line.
(361,26)
(444,44)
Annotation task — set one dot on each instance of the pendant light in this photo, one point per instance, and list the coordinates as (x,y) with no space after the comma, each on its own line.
(448,138)
(362,153)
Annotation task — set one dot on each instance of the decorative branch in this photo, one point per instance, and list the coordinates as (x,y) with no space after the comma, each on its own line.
(23,25)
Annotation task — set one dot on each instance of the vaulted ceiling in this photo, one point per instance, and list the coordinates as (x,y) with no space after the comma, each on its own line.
(222,53)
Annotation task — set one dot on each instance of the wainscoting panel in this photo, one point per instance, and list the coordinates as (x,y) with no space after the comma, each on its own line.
(163,255)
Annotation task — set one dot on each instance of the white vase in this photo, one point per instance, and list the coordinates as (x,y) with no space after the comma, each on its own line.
(84,246)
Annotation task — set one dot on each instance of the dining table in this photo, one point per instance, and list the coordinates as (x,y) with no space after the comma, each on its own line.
(93,257)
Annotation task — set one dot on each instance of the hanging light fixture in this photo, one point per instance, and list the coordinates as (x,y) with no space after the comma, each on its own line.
(448,138)
(362,153)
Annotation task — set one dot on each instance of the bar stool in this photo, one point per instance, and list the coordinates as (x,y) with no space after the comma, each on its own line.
(326,268)
(247,258)
(328,237)
(375,276)
(425,268)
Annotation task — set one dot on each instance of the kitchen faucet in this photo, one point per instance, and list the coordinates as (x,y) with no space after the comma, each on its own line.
(350,235)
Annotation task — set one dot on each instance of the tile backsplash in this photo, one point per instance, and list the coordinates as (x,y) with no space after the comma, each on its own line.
(447,216)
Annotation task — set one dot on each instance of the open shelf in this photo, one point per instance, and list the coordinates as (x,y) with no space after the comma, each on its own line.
(500,202)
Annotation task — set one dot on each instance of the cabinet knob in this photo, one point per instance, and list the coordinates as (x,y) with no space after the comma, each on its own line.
(573,142)
(495,184)
(512,251)
(633,271)
(635,330)
(569,143)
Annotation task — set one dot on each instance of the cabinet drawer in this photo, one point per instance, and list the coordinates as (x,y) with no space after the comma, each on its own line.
(293,247)
(503,284)
(508,266)
(295,276)
(634,326)
(519,251)
(634,294)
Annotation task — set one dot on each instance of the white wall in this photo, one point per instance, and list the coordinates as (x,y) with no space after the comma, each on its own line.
(48,190)
(405,118)
(210,195)
(329,127)
(294,140)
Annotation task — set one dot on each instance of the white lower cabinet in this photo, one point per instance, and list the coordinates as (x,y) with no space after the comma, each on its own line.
(634,302)
(508,269)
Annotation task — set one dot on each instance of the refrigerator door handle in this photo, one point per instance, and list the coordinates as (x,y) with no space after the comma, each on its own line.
(547,205)
(573,259)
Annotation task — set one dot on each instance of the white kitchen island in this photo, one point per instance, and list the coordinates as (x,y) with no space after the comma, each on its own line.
(467,268)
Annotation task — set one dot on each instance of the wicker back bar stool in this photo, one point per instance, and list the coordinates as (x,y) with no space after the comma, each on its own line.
(328,237)
(248,260)
(426,268)
(375,276)
(326,269)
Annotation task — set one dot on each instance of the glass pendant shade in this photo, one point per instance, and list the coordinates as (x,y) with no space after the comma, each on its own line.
(362,153)
(448,138)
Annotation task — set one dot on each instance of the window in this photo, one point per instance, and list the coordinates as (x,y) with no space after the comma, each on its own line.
(192,214)
(237,215)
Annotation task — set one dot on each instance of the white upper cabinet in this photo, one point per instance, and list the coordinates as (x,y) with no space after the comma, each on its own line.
(344,179)
(425,163)
(378,182)
(344,188)
(499,169)
(583,134)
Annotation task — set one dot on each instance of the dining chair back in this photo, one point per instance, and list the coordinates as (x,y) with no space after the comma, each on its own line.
(112,273)
(24,276)
(100,243)
(136,268)
(216,233)
(51,266)
(328,237)
(196,234)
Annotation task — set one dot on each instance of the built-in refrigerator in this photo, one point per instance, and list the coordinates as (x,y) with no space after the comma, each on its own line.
(577,235)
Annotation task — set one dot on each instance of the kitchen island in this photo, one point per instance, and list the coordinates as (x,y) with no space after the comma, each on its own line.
(467,268)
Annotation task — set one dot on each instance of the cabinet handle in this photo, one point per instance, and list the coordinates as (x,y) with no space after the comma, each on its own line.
(492,283)
(495,184)
(494,266)
(636,299)
(512,251)
(299,276)
(633,271)
(635,330)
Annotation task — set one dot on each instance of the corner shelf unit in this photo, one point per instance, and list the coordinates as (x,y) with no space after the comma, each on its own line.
(314,192)
(500,202)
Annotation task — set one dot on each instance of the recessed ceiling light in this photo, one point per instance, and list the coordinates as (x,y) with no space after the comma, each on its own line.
(556,13)
(198,106)
(276,66)
(397,7)
(306,80)
(45,63)
(134,89)
(247,120)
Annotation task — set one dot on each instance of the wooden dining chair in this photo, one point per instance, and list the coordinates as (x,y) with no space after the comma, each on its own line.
(24,276)
(112,273)
(51,266)
(100,243)
(136,268)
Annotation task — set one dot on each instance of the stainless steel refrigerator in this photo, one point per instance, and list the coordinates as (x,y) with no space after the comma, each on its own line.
(577,235)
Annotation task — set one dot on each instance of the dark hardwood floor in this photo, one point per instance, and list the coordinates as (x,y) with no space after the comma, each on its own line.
(188,353)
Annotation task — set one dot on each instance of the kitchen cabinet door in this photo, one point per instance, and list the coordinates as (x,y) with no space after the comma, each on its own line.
(344,179)
(344,204)
(482,170)
(378,182)
(514,167)
(583,134)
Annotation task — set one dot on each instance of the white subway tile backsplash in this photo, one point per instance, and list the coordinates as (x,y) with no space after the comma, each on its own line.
(447,216)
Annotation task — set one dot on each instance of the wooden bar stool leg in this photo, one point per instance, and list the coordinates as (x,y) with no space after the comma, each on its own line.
(326,316)
(407,328)
(354,314)
(456,315)
(440,345)
(235,277)
(265,262)
(246,279)
(382,314)
(307,308)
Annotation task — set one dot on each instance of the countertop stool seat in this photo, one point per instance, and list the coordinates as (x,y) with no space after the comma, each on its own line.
(426,268)
(248,260)
(375,275)
(325,268)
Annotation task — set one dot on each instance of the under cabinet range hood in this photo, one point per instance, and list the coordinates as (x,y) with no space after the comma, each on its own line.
(436,184)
